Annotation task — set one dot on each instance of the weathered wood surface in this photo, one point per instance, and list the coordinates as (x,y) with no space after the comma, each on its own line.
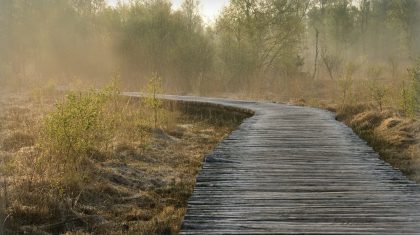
(295,170)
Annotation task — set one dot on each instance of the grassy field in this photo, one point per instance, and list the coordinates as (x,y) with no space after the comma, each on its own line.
(98,163)
(95,163)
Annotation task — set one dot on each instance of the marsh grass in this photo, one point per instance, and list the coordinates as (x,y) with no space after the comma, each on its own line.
(393,136)
(384,115)
(95,163)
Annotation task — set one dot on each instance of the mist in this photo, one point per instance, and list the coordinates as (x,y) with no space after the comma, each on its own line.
(108,113)
(271,49)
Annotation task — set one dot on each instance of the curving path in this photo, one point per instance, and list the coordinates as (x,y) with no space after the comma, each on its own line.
(295,170)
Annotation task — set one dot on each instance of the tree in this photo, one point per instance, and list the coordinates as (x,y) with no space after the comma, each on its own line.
(154,88)
(259,36)
(60,39)
(190,11)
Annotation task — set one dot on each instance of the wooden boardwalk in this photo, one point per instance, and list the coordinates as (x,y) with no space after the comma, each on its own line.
(295,170)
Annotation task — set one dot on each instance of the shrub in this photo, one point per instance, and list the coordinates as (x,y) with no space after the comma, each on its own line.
(378,94)
(154,87)
(415,83)
(77,126)
(410,92)
(408,102)
(346,83)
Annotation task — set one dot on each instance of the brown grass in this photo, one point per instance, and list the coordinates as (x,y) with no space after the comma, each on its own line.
(138,185)
(394,137)
(389,131)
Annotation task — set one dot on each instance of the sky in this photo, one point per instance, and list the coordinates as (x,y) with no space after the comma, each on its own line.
(210,9)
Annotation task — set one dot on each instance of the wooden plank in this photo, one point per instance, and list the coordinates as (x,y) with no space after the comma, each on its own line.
(296,170)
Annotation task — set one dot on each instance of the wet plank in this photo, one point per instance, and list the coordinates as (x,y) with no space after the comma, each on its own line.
(295,170)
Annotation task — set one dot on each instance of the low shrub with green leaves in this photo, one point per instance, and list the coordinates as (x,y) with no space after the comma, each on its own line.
(415,77)
(151,100)
(379,94)
(78,126)
(408,100)
(410,93)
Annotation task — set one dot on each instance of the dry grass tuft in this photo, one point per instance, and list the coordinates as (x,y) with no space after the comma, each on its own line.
(395,138)
(17,140)
(398,132)
(297,101)
(136,182)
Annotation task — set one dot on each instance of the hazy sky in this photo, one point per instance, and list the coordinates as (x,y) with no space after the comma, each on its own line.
(209,8)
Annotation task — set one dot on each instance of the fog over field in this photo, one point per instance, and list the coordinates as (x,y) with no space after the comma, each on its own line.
(273,48)
(80,156)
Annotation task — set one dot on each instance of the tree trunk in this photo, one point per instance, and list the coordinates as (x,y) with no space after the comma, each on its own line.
(316,53)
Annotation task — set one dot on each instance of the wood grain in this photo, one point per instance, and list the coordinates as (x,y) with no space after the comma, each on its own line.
(296,170)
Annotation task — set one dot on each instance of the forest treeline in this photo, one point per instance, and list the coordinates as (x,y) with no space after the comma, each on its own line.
(267,48)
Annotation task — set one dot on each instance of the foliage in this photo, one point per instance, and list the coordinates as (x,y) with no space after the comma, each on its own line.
(346,83)
(414,84)
(253,46)
(154,88)
(53,39)
(374,32)
(379,94)
(172,43)
(332,63)
(257,37)
(76,127)
(408,102)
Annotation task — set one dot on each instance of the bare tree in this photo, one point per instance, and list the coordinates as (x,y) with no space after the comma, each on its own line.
(331,62)
(316,53)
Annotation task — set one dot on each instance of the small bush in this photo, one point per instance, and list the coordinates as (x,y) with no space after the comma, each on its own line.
(379,94)
(154,87)
(408,101)
(410,92)
(74,129)
(415,83)
(346,83)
